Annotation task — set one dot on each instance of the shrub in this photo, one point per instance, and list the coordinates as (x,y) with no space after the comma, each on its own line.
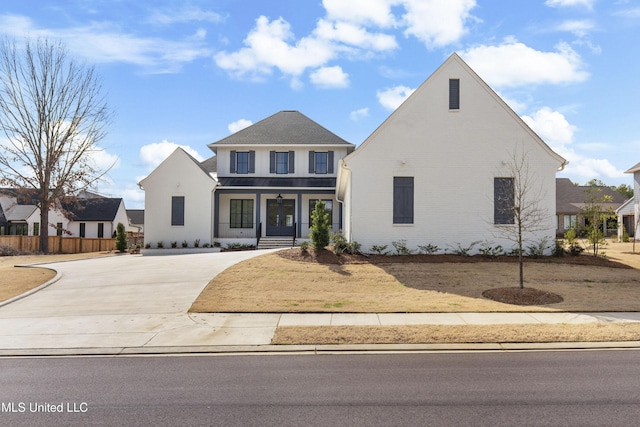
(401,247)
(380,249)
(147,245)
(537,250)
(428,249)
(320,226)
(304,246)
(572,240)
(196,243)
(174,244)
(160,245)
(121,238)
(558,249)
(341,245)
(491,251)
(9,251)
(184,244)
(463,251)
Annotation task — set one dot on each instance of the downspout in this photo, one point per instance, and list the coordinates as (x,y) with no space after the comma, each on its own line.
(343,167)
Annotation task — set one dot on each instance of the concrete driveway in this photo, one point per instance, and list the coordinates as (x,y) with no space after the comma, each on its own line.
(130,301)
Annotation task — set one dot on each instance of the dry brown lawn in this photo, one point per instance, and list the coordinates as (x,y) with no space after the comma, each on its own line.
(276,284)
(272,283)
(18,280)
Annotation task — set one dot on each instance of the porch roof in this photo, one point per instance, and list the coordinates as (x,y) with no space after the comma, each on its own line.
(277,182)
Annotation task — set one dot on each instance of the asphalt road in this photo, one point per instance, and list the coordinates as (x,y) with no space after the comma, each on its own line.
(533,388)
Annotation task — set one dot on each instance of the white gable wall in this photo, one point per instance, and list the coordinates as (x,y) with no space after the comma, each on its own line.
(453,157)
(178,175)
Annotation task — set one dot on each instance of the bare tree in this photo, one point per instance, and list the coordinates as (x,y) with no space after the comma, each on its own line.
(52,113)
(518,205)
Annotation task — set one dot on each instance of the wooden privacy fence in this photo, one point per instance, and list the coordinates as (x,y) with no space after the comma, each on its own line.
(59,245)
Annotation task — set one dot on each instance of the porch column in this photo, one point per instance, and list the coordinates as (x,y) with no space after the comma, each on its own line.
(216,213)
(299,230)
(258,210)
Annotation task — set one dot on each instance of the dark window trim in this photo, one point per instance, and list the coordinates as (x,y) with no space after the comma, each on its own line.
(454,94)
(243,218)
(403,199)
(177,210)
(503,200)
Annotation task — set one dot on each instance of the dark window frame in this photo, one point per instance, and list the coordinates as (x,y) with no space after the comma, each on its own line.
(454,94)
(101,230)
(242,218)
(83,229)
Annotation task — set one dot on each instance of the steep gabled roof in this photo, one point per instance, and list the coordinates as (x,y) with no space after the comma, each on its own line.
(283,128)
(19,213)
(94,209)
(136,216)
(635,168)
(210,165)
(570,198)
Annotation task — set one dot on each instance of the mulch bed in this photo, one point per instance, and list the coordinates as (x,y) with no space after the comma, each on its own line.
(522,296)
(329,257)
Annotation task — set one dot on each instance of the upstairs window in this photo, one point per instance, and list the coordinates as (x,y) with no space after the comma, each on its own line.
(242,162)
(320,162)
(177,210)
(281,162)
(454,94)
(503,201)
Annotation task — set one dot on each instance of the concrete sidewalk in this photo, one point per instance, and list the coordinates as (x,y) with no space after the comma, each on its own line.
(137,305)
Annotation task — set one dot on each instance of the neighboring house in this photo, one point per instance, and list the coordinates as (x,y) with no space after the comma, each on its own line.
(632,222)
(136,220)
(19,214)
(94,216)
(437,170)
(626,217)
(87,215)
(571,201)
(263,182)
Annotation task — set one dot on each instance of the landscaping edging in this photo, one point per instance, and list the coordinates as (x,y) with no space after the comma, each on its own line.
(178,251)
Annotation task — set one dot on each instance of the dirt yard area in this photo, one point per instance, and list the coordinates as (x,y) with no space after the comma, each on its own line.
(18,280)
(281,282)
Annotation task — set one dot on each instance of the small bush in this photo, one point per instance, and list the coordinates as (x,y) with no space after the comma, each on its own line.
(185,244)
(147,245)
(428,249)
(401,247)
(174,244)
(575,249)
(537,250)
(304,246)
(463,251)
(341,245)
(240,246)
(9,251)
(491,251)
(160,245)
(558,249)
(380,249)
(121,238)
(196,243)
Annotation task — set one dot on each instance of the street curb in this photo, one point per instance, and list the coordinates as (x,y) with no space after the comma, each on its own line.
(319,349)
(57,277)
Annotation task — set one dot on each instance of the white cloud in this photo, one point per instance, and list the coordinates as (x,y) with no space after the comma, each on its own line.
(187,14)
(359,114)
(437,23)
(391,98)
(516,64)
(101,160)
(155,153)
(556,131)
(376,12)
(330,77)
(353,36)
(580,28)
(104,42)
(569,3)
(238,125)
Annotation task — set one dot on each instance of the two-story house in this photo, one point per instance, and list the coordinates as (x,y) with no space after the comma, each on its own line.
(262,183)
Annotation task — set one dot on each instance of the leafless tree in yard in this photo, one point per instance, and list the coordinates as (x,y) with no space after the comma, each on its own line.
(518,211)
(52,113)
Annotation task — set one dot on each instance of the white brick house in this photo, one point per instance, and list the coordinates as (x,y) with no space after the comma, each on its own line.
(430,172)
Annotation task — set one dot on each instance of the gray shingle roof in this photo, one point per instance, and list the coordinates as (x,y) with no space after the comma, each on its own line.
(95,209)
(136,216)
(570,198)
(285,127)
(634,168)
(210,165)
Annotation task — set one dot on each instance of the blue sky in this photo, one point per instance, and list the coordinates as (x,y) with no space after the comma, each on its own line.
(189,73)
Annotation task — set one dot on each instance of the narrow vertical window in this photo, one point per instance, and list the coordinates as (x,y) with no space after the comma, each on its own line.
(503,200)
(100,230)
(403,200)
(242,158)
(58,229)
(36,229)
(83,229)
(177,210)
(454,94)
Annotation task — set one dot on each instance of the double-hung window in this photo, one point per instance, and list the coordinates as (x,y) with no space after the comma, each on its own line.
(241,213)
(320,162)
(403,200)
(242,162)
(281,162)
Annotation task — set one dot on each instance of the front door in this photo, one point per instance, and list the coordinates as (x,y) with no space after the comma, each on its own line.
(280,217)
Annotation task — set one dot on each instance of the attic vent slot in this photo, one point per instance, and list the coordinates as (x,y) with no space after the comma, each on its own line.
(454,94)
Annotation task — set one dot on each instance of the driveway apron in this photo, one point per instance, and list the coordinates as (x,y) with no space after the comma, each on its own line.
(129,301)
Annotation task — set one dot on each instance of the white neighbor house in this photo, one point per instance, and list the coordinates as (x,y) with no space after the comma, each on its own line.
(427,175)
(432,172)
(632,206)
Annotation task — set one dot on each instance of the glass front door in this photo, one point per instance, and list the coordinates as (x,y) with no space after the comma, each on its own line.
(280,217)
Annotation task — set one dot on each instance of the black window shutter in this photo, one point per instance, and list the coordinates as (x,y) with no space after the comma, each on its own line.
(503,200)
(252,161)
(232,163)
(454,94)
(177,210)
(403,200)
(272,162)
(330,162)
(292,166)
(312,162)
